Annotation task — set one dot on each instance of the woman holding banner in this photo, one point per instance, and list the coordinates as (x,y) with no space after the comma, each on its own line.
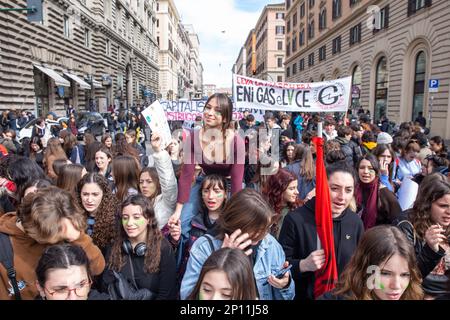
(217,148)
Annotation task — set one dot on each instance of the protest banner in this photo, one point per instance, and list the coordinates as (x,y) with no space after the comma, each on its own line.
(157,121)
(187,110)
(327,96)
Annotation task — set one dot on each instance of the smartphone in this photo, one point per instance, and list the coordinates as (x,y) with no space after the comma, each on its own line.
(282,272)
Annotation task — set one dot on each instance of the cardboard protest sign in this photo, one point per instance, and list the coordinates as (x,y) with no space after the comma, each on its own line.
(157,121)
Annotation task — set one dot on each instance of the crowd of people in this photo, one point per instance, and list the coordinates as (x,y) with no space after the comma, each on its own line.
(225,210)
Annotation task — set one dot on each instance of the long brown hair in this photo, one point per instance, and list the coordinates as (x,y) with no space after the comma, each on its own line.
(122,148)
(125,170)
(432,188)
(246,210)
(238,269)
(69,177)
(377,246)
(105,216)
(154,237)
(225,108)
(54,149)
(307,167)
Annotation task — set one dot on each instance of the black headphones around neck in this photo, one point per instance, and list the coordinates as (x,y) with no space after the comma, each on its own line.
(139,249)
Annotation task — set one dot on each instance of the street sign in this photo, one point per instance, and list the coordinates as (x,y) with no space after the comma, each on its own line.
(433,85)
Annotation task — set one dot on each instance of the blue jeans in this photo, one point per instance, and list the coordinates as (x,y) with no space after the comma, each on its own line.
(299,136)
(189,211)
(191,208)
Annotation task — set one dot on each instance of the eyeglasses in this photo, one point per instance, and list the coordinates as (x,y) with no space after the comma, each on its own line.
(81,290)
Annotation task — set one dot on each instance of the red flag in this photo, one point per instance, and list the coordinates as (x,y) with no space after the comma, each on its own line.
(326,277)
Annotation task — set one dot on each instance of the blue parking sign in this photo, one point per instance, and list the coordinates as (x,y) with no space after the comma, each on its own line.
(433,85)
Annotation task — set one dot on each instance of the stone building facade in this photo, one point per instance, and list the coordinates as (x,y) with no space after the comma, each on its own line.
(391,48)
(87,53)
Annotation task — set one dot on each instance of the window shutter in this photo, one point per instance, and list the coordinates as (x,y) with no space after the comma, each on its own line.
(386,17)
(411,7)
(359,32)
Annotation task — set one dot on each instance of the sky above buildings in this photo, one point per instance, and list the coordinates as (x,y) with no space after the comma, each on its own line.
(222,27)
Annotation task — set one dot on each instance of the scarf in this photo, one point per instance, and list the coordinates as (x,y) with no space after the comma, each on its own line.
(370,145)
(370,207)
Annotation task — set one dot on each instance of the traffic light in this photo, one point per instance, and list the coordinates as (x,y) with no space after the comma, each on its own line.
(34,15)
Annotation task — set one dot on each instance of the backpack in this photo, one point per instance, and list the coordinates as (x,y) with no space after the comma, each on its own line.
(7,260)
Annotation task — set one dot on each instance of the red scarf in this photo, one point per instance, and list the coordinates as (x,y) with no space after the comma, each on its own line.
(370,208)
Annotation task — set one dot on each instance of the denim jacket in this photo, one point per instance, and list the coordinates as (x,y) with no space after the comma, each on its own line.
(269,260)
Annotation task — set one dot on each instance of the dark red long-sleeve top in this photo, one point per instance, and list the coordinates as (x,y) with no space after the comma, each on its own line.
(234,165)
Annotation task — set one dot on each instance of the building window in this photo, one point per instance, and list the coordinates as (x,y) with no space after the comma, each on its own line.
(302,10)
(301,37)
(337,9)
(288,48)
(279,30)
(107,4)
(288,72)
(294,69)
(311,59)
(301,64)
(311,30)
(381,20)
(381,89)
(108,47)
(417,5)
(419,84)
(66,27)
(337,45)
(294,44)
(323,20)
(353,2)
(355,34)
(322,53)
(280,62)
(87,38)
(311,3)
(280,15)
(294,20)
(279,78)
(288,4)
(288,25)
(280,45)
(119,53)
(356,87)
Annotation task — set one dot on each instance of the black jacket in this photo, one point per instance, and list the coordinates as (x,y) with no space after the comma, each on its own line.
(298,237)
(163,283)
(427,259)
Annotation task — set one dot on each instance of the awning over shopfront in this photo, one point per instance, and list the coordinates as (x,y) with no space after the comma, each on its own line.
(59,80)
(97,84)
(83,84)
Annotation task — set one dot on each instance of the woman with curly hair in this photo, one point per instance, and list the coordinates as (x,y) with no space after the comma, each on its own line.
(426,226)
(383,267)
(140,252)
(100,207)
(281,194)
